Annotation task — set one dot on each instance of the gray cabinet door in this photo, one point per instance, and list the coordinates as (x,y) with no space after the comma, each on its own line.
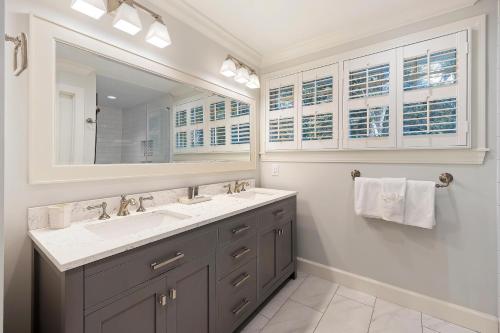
(138,312)
(191,304)
(267,258)
(284,247)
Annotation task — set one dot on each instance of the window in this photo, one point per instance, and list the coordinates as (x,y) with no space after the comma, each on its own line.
(181,118)
(369,107)
(218,111)
(196,115)
(433,94)
(239,109)
(197,138)
(240,134)
(181,140)
(282,113)
(218,136)
(319,108)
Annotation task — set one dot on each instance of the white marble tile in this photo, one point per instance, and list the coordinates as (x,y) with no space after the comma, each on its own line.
(282,296)
(392,318)
(256,324)
(345,316)
(442,326)
(293,317)
(315,293)
(356,295)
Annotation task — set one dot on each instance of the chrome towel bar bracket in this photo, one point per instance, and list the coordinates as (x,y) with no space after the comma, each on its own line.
(445,178)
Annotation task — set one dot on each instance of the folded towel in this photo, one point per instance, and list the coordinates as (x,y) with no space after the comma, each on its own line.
(393,199)
(367,197)
(419,204)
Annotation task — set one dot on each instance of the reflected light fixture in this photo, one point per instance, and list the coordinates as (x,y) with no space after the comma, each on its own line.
(111,97)
(93,8)
(158,34)
(228,67)
(127,19)
(242,75)
(254,82)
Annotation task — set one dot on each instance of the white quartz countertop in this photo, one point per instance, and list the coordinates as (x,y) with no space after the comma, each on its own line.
(80,244)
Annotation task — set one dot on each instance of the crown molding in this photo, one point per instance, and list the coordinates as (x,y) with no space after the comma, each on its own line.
(330,40)
(189,15)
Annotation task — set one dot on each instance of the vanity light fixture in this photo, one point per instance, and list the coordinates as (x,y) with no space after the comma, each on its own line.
(93,8)
(241,72)
(126,18)
(228,67)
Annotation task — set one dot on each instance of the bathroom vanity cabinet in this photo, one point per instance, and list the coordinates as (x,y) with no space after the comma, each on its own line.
(209,279)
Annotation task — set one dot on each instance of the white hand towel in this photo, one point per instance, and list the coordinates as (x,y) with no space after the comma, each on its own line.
(419,204)
(393,199)
(367,197)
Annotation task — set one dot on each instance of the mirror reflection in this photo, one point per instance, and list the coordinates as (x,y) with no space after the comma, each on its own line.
(110,113)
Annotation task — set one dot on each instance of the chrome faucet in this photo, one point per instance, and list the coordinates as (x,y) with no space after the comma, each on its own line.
(124,203)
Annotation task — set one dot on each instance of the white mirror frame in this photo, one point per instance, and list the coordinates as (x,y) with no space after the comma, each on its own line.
(42,102)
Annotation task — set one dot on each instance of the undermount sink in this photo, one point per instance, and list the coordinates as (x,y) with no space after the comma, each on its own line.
(254,194)
(128,225)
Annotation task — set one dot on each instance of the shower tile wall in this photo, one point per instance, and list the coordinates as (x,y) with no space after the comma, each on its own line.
(109,136)
(498,160)
(134,132)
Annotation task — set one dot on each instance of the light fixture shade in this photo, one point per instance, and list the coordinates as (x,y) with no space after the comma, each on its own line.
(127,19)
(242,75)
(228,68)
(158,35)
(254,82)
(92,8)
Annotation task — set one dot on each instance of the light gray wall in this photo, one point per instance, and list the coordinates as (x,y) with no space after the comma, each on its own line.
(2,116)
(21,195)
(456,261)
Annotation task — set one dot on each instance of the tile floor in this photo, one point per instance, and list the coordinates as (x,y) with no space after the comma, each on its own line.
(310,304)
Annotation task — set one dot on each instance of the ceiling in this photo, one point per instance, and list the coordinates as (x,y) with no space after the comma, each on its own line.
(274,30)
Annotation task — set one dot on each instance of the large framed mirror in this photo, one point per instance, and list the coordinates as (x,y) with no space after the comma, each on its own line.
(101,112)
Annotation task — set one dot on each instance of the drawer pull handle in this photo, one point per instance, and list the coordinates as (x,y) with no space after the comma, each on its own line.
(178,256)
(240,253)
(239,309)
(162,299)
(243,278)
(279,213)
(238,230)
(172,293)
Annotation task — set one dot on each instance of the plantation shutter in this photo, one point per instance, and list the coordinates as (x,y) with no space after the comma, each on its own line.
(319,108)
(369,112)
(433,93)
(281,113)
(218,136)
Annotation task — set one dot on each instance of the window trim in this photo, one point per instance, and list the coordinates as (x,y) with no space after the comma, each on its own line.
(476,150)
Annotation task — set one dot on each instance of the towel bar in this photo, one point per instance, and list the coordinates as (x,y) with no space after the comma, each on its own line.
(445,178)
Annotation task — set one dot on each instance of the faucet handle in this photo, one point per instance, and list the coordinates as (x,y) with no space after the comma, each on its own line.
(104,215)
(141,200)
(243,184)
(228,186)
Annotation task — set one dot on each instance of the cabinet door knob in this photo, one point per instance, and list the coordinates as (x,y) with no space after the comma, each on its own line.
(172,293)
(162,300)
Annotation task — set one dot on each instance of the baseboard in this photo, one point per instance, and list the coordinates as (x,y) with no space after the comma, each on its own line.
(472,319)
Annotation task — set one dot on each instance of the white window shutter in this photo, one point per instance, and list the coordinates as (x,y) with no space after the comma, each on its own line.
(432,98)
(281,113)
(369,101)
(318,105)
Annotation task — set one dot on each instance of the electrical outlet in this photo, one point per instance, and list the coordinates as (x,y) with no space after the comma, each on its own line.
(275,170)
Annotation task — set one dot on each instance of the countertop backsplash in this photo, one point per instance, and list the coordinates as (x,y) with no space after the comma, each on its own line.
(38,217)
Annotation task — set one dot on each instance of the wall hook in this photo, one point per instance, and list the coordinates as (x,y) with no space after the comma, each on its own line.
(20,45)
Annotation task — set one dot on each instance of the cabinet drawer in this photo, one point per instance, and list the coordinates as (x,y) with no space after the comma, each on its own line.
(237,297)
(277,213)
(235,254)
(109,277)
(238,227)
